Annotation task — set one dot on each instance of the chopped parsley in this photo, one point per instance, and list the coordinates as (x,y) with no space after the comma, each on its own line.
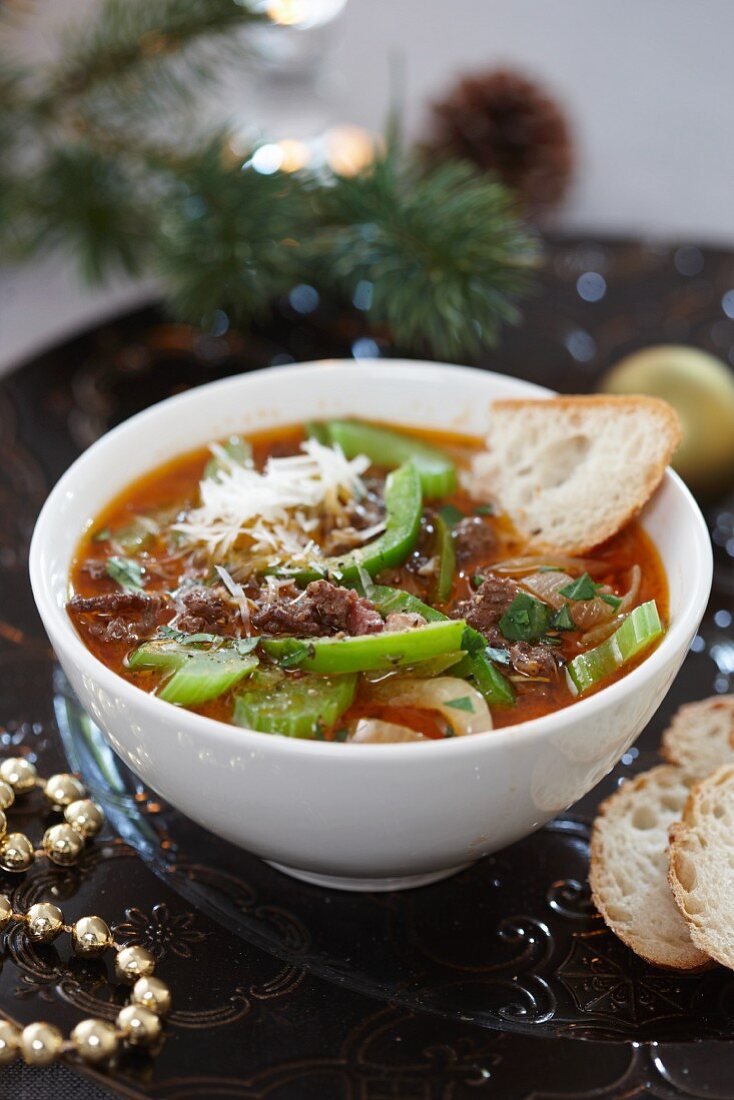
(583,588)
(477,580)
(562,620)
(450,514)
(126,572)
(463,703)
(526,619)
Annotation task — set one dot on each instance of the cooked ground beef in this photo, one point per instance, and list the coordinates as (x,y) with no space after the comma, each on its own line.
(321,609)
(488,604)
(202,610)
(534,660)
(474,540)
(118,616)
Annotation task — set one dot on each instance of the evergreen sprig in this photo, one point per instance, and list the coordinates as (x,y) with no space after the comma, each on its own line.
(442,249)
(437,253)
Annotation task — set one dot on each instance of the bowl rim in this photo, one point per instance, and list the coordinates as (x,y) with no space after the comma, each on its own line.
(61,630)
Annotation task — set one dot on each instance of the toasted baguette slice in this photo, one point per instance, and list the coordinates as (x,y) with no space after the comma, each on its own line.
(701,736)
(572,471)
(629,868)
(702,865)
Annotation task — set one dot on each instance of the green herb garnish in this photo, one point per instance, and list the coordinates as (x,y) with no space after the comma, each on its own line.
(549,569)
(103,535)
(613,601)
(477,580)
(484,510)
(562,619)
(499,656)
(463,703)
(583,588)
(126,572)
(450,514)
(526,619)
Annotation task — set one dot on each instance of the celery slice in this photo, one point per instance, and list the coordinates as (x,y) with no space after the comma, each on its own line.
(495,688)
(639,630)
(390,649)
(203,678)
(386,447)
(296,707)
(199,674)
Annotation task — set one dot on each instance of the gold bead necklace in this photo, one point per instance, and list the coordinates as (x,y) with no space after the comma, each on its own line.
(139,1022)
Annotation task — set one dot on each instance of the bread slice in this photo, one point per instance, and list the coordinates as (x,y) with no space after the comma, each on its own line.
(701,736)
(702,865)
(629,868)
(572,471)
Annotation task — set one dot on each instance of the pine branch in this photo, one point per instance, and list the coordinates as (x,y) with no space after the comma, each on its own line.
(87,201)
(137,38)
(442,248)
(229,238)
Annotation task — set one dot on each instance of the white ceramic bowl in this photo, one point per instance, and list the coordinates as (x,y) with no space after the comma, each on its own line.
(353,816)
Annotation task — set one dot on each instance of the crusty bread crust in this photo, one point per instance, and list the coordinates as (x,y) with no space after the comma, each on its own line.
(607,454)
(700,870)
(628,869)
(700,737)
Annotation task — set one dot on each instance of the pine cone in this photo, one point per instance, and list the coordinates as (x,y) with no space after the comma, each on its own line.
(507,125)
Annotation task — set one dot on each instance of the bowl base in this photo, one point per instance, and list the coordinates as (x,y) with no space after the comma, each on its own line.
(363,885)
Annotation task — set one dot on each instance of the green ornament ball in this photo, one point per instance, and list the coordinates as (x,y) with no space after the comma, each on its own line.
(700,388)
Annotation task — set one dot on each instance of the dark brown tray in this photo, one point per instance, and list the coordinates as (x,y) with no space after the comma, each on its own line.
(485,981)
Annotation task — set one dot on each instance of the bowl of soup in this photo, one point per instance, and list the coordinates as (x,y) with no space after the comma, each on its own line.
(289,611)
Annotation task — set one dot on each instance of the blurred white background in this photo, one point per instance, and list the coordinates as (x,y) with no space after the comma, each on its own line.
(646,84)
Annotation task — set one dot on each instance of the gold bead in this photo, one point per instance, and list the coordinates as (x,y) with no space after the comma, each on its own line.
(62,845)
(90,936)
(44,922)
(16,852)
(6,911)
(84,816)
(63,789)
(94,1040)
(7,795)
(19,774)
(40,1043)
(134,962)
(9,1042)
(138,1025)
(153,994)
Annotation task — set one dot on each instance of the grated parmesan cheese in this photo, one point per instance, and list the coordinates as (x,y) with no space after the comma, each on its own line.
(278,511)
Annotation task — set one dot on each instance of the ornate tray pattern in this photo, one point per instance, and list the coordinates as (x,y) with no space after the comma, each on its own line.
(283,990)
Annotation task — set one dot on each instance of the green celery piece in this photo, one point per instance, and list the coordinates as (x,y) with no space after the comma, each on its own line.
(367,652)
(238,450)
(435,666)
(403,508)
(203,678)
(495,688)
(199,674)
(444,548)
(386,447)
(639,630)
(296,706)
